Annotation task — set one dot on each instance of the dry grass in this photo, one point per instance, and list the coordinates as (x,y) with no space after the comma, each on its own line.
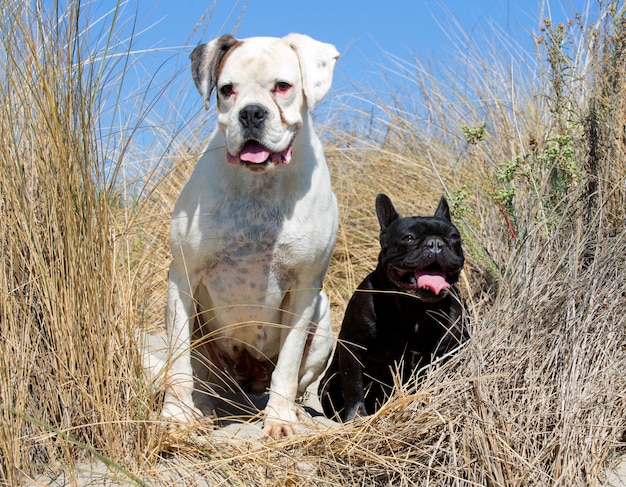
(536,397)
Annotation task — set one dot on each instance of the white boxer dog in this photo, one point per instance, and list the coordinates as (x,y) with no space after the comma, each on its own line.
(253,230)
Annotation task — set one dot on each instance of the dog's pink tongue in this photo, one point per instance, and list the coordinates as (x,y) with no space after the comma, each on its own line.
(435,281)
(254,152)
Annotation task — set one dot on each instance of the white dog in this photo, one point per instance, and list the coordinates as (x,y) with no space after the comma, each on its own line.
(254,228)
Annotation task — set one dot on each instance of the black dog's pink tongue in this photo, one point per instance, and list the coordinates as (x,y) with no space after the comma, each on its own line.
(432,280)
(254,152)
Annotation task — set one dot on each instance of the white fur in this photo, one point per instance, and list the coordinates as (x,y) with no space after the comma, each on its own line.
(250,246)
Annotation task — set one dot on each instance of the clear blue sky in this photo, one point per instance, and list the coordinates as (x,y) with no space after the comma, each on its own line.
(365,32)
(361,30)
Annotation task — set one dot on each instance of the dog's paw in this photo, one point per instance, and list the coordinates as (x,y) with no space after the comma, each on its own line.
(176,411)
(277,426)
(356,410)
(278,429)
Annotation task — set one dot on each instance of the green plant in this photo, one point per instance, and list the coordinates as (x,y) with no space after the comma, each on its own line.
(473,135)
(458,202)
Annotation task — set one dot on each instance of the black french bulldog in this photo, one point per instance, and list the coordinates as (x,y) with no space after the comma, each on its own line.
(402,315)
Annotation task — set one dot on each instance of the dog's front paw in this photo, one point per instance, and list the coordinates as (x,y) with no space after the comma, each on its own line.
(180,412)
(277,429)
(354,410)
(281,424)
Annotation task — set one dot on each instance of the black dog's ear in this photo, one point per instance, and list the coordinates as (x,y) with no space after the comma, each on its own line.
(443,210)
(205,63)
(385,211)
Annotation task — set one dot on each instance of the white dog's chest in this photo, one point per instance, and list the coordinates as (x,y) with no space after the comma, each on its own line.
(243,285)
(245,246)
(246,273)
(243,306)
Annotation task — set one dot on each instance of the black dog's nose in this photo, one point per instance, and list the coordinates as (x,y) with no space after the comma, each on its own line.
(252,116)
(435,245)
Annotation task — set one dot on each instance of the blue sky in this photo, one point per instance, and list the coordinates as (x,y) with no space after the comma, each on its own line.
(365,32)
(362,30)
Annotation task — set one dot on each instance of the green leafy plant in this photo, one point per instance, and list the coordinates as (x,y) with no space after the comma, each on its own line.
(473,135)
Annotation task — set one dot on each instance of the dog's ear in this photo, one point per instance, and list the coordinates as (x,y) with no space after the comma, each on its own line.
(205,64)
(385,211)
(317,62)
(443,210)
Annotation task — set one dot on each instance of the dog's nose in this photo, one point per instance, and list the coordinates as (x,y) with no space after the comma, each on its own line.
(252,116)
(435,245)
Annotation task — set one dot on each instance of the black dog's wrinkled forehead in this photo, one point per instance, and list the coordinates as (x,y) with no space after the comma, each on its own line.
(420,226)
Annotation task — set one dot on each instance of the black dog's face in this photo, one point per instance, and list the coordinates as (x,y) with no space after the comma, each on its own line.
(419,255)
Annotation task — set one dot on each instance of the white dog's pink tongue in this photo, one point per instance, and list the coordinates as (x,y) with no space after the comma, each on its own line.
(254,152)
(435,281)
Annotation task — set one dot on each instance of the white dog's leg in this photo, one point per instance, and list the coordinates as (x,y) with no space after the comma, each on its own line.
(320,347)
(319,351)
(178,403)
(281,415)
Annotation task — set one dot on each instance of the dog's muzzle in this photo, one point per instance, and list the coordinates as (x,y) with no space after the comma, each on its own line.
(432,279)
(253,154)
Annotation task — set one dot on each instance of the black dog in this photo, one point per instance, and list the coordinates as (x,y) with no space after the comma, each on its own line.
(402,315)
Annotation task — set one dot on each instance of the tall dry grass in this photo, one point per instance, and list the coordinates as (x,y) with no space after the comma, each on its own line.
(530,152)
(70,377)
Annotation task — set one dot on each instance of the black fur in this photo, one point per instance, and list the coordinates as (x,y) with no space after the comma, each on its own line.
(391,322)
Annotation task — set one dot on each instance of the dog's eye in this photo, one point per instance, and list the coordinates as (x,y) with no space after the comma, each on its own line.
(455,237)
(407,238)
(227,91)
(282,87)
